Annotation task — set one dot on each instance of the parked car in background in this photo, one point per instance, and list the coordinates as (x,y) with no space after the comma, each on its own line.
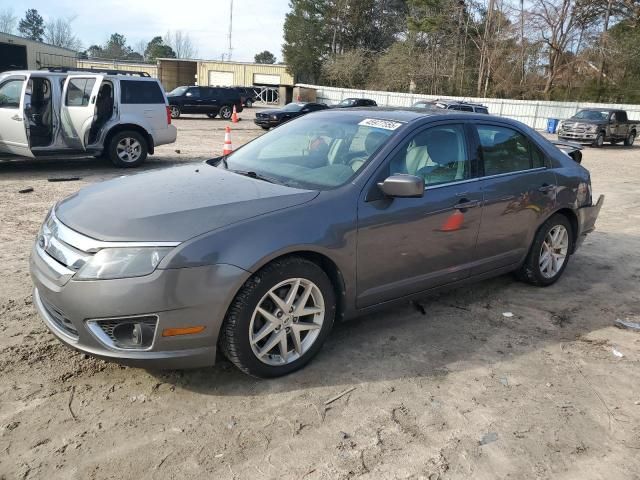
(248,95)
(272,118)
(355,102)
(210,101)
(596,126)
(452,105)
(121,115)
(330,216)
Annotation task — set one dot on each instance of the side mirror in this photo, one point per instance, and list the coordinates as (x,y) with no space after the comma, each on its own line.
(403,186)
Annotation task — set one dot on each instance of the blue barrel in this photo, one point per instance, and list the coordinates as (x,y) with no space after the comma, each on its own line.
(552,125)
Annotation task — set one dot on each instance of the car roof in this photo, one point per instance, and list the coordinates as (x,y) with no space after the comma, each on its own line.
(46,73)
(409,115)
(593,109)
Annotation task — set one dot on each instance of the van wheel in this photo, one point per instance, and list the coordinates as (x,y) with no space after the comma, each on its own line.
(628,142)
(549,253)
(599,141)
(279,319)
(175,111)
(225,112)
(128,149)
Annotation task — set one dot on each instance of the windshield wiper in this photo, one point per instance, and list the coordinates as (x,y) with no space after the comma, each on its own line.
(257,176)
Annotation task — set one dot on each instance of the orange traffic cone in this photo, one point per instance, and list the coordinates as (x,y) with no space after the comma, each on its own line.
(228,147)
(234,116)
(453,222)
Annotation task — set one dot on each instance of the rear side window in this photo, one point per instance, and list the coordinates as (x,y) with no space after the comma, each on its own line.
(10,93)
(79,92)
(138,92)
(505,150)
(482,110)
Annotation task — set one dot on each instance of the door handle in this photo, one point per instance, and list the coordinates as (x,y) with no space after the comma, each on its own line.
(17,118)
(465,204)
(546,188)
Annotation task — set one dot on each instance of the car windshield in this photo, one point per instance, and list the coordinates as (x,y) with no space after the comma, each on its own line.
(314,152)
(293,107)
(592,115)
(177,92)
(347,102)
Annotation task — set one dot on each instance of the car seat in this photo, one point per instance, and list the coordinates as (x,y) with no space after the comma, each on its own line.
(372,142)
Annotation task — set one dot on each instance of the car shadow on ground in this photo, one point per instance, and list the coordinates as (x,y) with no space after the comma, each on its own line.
(461,329)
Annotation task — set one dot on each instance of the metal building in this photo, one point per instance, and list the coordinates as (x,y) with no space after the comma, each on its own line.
(17,53)
(149,68)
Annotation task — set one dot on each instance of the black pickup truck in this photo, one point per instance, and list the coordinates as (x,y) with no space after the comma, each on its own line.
(598,125)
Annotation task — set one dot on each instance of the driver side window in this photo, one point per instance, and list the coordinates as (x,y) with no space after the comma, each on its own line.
(438,154)
(10,93)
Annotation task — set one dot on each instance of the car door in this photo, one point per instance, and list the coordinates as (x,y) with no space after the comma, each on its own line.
(193,101)
(78,110)
(13,131)
(210,100)
(519,191)
(408,245)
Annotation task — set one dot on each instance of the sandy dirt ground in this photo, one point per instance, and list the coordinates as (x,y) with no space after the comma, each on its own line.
(457,393)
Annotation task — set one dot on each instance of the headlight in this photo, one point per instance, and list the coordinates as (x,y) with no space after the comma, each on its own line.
(274,117)
(111,263)
(592,128)
(561,126)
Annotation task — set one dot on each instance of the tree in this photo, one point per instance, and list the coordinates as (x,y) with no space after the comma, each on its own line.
(32,25)
(348,70)
(116,48)
(265,57)
(156,48)
(306,40)
(58,32)
(94,51)
(8,21)
(181,44)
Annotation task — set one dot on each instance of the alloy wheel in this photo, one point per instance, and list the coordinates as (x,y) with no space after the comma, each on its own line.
(225,112)
(287,321)
(553,253)
(129,150)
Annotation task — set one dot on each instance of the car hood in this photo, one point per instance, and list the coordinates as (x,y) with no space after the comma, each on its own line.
(587,122)
(275,111)
(173,204)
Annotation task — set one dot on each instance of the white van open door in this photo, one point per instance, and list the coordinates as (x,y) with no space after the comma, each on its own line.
(78,110)
(13,131)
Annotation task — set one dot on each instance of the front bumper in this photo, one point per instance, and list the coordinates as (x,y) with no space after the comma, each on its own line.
(587,217)
(581,137)
(266,122)
(178,298)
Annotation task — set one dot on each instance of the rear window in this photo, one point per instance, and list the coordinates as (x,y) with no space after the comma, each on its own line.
(79,92)
(138,92)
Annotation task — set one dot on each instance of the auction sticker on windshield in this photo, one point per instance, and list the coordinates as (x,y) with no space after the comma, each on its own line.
(376,123)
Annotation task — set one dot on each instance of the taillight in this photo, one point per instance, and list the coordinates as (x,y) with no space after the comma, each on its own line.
(168,115)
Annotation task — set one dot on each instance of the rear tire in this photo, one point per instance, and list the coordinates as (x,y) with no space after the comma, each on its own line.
(225,112)
(255,325)
(628,142)
(248,103)
(175,111)
(128,149)
(548,258)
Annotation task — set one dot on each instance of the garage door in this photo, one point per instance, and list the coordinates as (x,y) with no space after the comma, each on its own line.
(224,79)
(264,79)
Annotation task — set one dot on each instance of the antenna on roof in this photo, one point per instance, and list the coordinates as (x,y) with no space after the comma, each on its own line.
(230,30)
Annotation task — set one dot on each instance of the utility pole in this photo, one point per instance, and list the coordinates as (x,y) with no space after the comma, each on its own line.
(230,31)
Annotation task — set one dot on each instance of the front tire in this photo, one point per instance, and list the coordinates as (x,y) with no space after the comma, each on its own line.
(248,103)
(599,141)
(549,253)
(128,149)
(280,318)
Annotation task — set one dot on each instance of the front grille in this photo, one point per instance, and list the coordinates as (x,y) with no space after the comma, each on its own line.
(60,319)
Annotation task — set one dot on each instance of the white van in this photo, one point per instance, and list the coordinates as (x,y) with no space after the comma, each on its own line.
(121,115)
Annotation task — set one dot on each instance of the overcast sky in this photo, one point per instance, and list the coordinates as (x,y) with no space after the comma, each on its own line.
(257,24)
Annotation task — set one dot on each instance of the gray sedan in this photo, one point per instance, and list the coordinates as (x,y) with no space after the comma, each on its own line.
(330,216)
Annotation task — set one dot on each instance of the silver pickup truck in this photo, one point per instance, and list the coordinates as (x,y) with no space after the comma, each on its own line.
(598,125)
(45,113)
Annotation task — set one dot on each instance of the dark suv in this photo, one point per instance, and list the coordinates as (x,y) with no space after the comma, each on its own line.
(212,101)
(248,95)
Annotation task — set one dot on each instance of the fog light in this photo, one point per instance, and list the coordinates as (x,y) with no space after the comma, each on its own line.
(133,335)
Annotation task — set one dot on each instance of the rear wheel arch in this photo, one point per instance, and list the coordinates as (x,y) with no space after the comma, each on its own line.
(130,126)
